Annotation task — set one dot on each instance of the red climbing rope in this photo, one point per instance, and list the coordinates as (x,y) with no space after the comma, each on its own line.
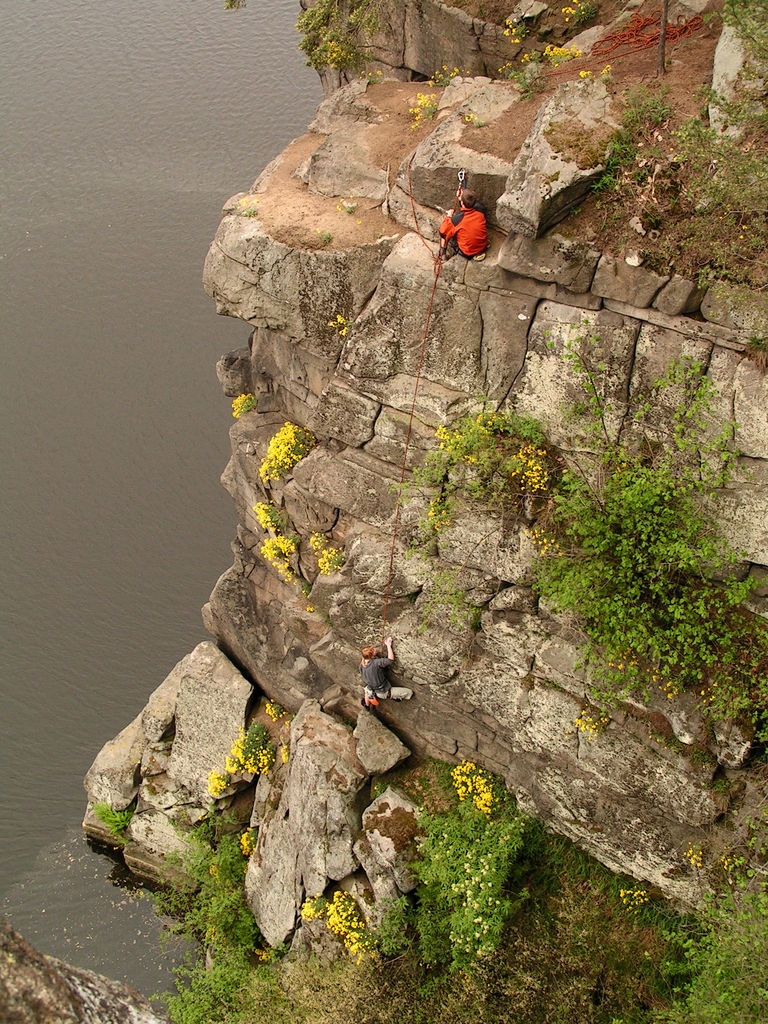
(640,33)
(437,261)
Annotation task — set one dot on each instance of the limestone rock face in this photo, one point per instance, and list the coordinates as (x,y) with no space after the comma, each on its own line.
(378,749)
(36,988)
(210,710)
(114,776)
(559,161)
(308,838)
(391,827)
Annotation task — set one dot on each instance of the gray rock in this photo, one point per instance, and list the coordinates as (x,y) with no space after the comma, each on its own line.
(545,184)
(156,834)
(679,296)
(341,166)
(234,373)
(378,749)
(739,310)
(159,711)
(730,57)
(210,710)
(549,385)
(429,175)
(750,409)
(734,742)
(616,279)
(344,414)
(307,840)
(391,827)
(551,259)
(37,989)
(113,778)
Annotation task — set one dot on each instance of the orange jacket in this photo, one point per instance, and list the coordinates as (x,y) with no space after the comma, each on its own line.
(468,226)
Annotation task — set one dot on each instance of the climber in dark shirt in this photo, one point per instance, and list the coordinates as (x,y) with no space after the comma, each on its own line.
(373,669)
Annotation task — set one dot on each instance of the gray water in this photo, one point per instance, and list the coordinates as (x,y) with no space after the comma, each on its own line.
(123,128)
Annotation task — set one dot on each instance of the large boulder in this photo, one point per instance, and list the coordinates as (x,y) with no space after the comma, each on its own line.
(306,840)
(562,157)
(378,749)
(114,776)
(391,828)
(38,989)
(211,709)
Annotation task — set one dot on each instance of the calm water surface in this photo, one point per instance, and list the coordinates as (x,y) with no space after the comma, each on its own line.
(123,128)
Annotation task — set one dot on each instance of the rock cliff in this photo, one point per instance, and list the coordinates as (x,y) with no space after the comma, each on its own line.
(322,261)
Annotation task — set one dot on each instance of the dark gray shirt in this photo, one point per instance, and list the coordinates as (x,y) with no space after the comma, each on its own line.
(375,674)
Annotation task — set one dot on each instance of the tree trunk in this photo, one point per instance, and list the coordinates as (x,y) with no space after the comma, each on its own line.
(662,54)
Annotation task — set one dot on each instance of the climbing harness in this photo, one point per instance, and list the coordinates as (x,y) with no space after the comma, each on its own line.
(437,261)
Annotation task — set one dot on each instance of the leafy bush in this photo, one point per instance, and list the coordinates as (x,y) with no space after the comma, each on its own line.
(729,964)
(336,32)
(212,910)
(116,821)
(465,862)
(631,551)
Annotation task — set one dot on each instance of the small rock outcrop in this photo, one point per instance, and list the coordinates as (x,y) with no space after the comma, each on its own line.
(35,989)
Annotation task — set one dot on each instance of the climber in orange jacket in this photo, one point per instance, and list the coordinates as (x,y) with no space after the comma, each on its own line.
(465,231)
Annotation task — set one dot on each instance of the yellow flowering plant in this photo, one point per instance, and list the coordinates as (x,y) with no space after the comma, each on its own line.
(329,558)
(243,404)
(343,919)
(287,447)
(469,861)
(497,459)
(425,109)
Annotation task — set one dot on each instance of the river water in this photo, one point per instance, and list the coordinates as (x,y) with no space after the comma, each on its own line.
(123,128)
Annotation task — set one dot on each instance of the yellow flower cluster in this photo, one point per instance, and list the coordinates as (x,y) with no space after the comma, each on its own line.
(471,782)
(313,908)
(583,11)
(590,725)
(474,120)
(287,447)
(267,515)
(274,710)
(341,324)
(444,75)
(217,783)
(533,474)
(544,544)
(243,403)
(556,55)
(730,864)
(633,899)
(329,558)
(277,551)
(251,753)
(425,109)
(343,919)
(248,842)
(247,206)
(694,855)
(347,205)
(285,753)
(439,514)
(585,74)
(515,31)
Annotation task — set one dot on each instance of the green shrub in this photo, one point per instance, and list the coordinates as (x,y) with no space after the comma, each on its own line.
(729,965)
(336,32)
(116,821)
(630,549)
